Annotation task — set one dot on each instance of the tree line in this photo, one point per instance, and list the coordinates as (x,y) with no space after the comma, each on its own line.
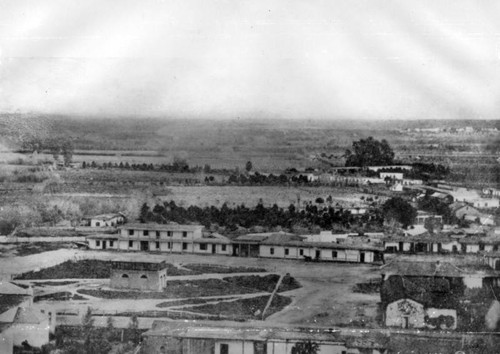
(325,217)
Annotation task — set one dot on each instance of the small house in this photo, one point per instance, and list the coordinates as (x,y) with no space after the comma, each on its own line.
(144,276)
(107,220)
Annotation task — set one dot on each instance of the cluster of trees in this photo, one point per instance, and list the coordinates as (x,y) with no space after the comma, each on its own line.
(399,210)
(57,147)
(326,218)
(369,152)
(179,165)
(259,179)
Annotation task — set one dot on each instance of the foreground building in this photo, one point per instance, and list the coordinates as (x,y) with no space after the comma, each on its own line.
(183,337)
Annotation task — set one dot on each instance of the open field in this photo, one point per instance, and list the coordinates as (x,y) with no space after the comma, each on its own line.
(326,298)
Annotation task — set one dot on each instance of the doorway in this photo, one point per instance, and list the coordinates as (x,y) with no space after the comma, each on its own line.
(362,257)
(144,246)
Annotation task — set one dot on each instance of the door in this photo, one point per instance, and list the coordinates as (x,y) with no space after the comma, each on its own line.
(103,245)
(362,257)
(144,245)
(318,254)
(214,249)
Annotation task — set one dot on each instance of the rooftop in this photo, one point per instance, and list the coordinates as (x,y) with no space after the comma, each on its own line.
(160,227)
(435,269)
(107,217)
(258,332)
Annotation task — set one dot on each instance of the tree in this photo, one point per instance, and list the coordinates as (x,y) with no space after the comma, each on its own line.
(369,152)
(305,347)
(144,213)
(134,329)
(399,210)
(67,149)
(248,166)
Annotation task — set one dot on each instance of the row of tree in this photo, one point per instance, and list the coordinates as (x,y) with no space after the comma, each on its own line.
(326,217)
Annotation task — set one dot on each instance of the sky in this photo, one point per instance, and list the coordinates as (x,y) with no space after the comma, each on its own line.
(297,59)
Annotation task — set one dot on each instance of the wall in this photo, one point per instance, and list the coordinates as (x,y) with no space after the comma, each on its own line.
(394,315)
(472,248)
(36,334)
(134,280)
(235,346)
(435,313)
(124,245)
(472,282)
(93,244)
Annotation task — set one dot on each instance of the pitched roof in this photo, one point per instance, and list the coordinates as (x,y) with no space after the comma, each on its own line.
(9,288)
(26,315)
(107,217)
(160,227)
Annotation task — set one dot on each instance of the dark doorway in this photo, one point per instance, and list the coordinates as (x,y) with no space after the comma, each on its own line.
(318,254)
(362,257)
(214,248)
(103,245)
(144,246)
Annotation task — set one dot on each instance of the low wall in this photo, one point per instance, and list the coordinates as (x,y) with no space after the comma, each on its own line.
(15,239)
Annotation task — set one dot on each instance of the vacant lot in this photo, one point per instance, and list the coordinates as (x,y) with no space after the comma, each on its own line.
(195,288)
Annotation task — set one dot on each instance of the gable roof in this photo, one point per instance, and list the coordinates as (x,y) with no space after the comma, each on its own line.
(160,227)
(26,315)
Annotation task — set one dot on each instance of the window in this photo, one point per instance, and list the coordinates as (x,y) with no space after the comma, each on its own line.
(224,348)
(271,250)
(157,234)
(98,243)
(169,245)
(144,276)
(145,232)
(124,276)
(223,248)
(481,247)
(130,232)
(131,243)
(334,254)
(169,233)
(111,243)
(157,245)
(287,251)
(98,224)
(203,246)
(301,252)
(184,246)
(184,233)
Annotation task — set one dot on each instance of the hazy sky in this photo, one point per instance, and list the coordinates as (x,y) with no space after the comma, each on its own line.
(252,58)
